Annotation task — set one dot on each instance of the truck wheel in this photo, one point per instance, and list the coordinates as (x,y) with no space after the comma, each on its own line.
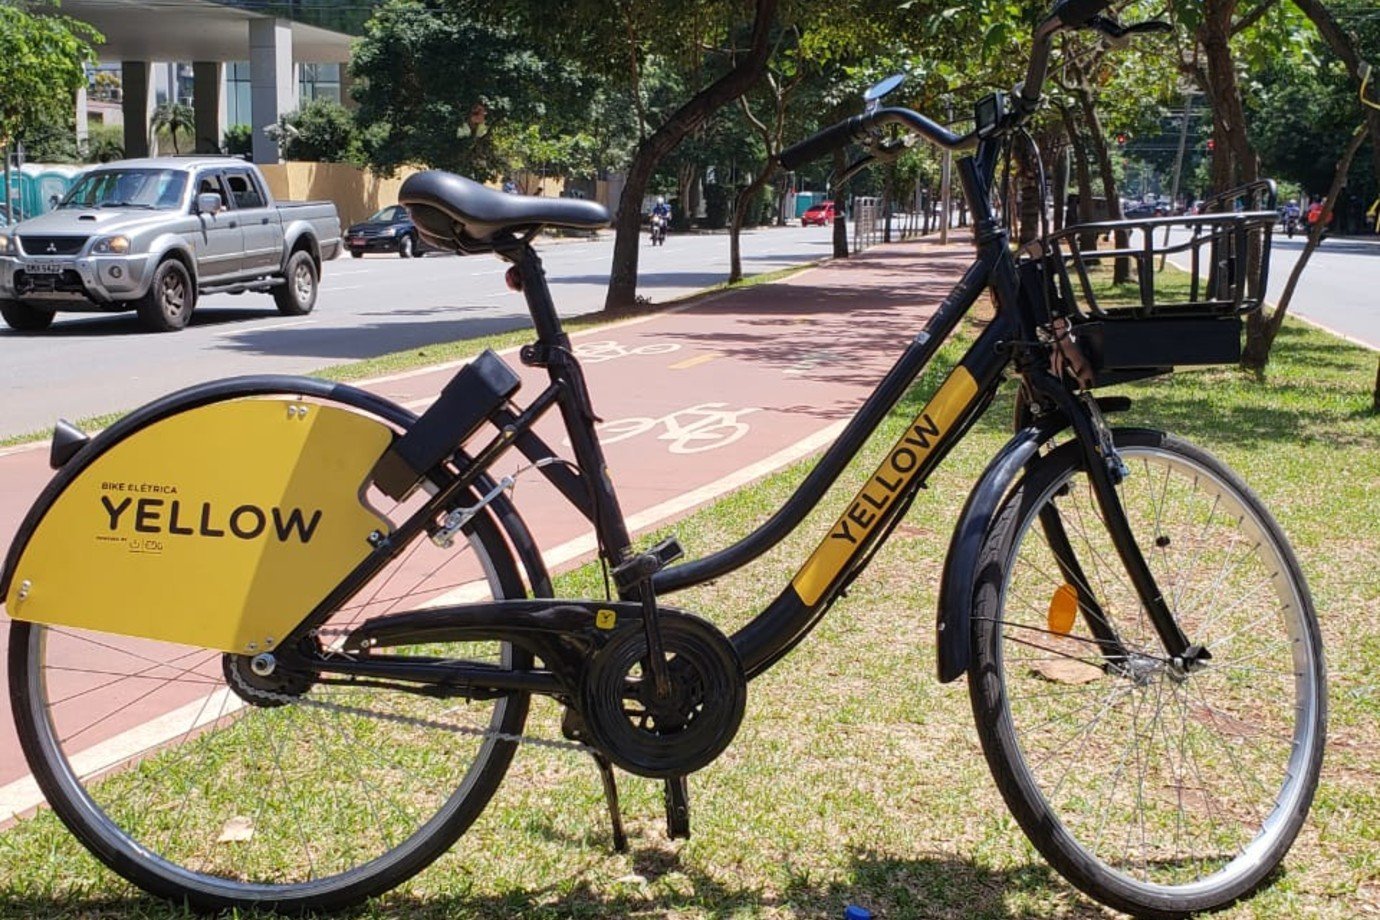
(23,317)
(298,295)
(170,299)
(407,247)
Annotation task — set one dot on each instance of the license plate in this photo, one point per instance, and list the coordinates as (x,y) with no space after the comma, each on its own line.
(355,241)
(44,268)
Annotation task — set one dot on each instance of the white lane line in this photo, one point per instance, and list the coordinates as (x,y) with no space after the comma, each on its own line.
(23,795)
(343,287)
(261,328)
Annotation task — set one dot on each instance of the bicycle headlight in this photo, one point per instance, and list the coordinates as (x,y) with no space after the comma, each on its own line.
(117,245)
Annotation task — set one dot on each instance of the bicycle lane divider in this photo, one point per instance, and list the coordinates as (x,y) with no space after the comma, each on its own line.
(716,424)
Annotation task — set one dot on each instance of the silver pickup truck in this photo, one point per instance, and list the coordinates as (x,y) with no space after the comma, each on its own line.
(152,235)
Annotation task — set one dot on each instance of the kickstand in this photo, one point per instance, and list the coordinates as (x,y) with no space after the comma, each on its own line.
(620,838)
(677,808)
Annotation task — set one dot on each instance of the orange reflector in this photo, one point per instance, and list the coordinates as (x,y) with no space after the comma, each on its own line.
(1063,607)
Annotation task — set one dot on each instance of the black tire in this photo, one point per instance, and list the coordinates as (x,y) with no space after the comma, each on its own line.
(171,298)
(296,296)
(1158,791)
(356,253)
(23,317)
(382,787)
(407,246)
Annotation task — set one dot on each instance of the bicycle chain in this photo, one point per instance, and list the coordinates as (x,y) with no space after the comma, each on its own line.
(410,721)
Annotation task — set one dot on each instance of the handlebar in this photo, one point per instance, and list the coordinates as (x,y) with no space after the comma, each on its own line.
(1067,14)
(859,126)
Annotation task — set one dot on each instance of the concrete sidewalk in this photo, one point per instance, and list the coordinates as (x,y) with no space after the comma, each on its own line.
(697,401)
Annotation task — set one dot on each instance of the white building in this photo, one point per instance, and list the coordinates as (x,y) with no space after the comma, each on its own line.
(232,65)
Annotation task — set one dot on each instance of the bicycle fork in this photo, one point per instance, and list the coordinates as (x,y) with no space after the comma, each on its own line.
(1106,471)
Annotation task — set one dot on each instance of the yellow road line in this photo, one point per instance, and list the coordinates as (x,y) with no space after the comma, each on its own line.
(695,361)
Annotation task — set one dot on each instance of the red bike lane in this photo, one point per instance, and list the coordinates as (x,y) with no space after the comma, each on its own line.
(695,401)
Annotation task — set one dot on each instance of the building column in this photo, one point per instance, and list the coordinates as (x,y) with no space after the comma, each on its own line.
(83,131)
(346,81)
(136,107)
(208,104)
(272,90)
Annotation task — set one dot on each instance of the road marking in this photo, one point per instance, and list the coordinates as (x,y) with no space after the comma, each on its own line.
(695,361)
(267,325)
(347,287)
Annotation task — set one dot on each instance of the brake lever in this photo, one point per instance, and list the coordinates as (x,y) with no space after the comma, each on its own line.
(1119,36)
(883,151)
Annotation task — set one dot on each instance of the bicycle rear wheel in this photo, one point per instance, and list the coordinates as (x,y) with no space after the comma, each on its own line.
(1156,791)
(313,801)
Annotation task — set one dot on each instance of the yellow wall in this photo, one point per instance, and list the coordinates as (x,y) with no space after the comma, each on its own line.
(357,193)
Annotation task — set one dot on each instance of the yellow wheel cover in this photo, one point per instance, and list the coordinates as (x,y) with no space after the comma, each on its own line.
(220,527)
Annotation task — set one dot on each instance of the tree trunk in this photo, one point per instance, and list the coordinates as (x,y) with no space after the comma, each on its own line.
(741,203)
(1233,161)
(1261,330)
(1121,272)
(748,70)
(1375,396)
(1083,174)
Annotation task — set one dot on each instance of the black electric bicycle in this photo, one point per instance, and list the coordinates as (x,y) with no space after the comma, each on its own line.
(215,693)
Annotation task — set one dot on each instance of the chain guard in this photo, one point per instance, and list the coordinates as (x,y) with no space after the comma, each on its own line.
(681,734)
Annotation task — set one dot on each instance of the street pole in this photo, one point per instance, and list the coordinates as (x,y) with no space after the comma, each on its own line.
(944,188)
(1178,167)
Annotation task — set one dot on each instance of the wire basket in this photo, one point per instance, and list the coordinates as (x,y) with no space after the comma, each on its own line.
(1225,250)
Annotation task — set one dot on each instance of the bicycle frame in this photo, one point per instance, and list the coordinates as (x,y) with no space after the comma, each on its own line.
(849,544)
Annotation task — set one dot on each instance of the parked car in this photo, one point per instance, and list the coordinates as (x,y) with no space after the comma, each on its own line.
(819,215)
(152,235)
(389,230)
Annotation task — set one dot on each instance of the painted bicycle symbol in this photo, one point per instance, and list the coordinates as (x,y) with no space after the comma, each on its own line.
(609,350)
(707,426)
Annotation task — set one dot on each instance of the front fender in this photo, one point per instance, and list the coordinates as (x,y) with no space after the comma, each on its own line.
(954,618)
(955,615)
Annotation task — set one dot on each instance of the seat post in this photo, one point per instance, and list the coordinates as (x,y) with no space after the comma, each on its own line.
(539,303)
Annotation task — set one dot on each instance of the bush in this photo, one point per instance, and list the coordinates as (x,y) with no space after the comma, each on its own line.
(238,141)
(104,143)
(717,200)
(322,131)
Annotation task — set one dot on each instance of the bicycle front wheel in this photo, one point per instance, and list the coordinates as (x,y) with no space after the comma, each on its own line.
(311,796)
(1156,789)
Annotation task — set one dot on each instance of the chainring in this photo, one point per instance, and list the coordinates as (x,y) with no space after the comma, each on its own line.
(682,733)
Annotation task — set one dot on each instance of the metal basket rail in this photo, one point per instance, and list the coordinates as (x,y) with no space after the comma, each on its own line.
(1226,251)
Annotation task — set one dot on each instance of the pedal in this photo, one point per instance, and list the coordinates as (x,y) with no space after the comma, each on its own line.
(677,808)
(643,566)
(620,837)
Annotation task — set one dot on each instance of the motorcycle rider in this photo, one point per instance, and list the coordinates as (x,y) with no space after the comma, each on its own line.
(1291,217)
(661,217)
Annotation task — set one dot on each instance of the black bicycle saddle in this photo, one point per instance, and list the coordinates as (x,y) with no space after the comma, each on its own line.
(453,212)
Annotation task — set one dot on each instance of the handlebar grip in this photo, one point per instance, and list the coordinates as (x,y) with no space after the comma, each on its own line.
(817,145)
(1073,13)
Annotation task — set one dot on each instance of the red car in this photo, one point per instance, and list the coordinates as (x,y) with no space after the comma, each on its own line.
(819,215)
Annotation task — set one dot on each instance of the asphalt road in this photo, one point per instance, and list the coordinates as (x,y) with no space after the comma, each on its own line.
(90,364)
(1338,288)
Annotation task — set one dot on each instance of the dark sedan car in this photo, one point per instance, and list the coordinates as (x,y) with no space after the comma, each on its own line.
(390,230)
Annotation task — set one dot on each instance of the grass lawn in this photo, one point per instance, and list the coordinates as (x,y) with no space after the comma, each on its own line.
(856,778)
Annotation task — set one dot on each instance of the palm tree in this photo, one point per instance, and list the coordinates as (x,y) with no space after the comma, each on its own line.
(175,117)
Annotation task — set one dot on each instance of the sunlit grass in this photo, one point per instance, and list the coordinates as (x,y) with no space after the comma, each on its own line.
(856,778)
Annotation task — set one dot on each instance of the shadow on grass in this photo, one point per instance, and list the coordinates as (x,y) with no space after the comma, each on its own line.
(896,889)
